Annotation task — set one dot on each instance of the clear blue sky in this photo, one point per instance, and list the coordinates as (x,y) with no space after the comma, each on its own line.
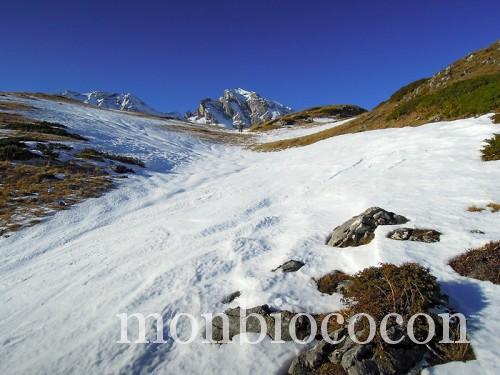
(301,53)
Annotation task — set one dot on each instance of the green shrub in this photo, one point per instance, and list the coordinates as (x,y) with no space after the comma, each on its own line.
(492,149)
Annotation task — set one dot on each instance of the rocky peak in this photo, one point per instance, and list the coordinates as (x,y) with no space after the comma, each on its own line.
(238,107)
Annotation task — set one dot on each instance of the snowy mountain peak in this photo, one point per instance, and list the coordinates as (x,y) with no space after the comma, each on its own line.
(238,107)
(116,101)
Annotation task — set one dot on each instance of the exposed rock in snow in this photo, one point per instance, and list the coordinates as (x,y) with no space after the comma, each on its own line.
(419,235)
(360,229)
(290,266)
(231,297)
(302,324)
(121,102)
(238,107)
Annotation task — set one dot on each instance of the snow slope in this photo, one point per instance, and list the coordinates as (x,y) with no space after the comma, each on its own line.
(211,219)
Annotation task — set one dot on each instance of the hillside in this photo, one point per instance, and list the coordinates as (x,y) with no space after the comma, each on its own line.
(468,87)
(332,112)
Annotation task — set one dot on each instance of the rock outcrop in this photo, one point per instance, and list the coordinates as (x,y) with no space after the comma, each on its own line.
(302,324)
(360,229)
(238,107)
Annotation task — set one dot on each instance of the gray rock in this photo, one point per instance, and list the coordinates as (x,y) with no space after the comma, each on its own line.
(360,229)
(302,324)
(290,266)
(231,297)
(411,234)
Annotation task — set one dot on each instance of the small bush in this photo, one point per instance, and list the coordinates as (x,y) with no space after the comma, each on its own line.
(492,149)
(331,282)
(482,263)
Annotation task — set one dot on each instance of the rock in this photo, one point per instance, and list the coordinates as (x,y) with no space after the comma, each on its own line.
(302,324)
(333,282)
(290,266)
(411,234)
(477,231)
(231,297)
(360,229)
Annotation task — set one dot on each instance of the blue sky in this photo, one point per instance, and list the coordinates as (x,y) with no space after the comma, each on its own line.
(301,53)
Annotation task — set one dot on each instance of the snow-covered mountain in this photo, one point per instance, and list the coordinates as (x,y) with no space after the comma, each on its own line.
(238,106)
(121,102)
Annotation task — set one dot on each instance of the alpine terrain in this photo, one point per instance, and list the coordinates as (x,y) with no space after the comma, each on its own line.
(106,208)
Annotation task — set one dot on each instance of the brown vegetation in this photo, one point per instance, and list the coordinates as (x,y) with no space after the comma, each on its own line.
(90,153)
(28,192)
(332,282)
(338,112)
(482,263)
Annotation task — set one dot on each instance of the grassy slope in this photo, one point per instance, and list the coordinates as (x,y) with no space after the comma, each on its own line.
(468,87)
(338,111)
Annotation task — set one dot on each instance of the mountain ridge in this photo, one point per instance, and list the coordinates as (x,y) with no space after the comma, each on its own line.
(116,101)
(238,107)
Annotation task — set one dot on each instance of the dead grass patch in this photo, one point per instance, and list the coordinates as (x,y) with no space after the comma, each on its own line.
(475,209)
(28,192)
(494,207)
(90,153)
(482,263)
(339,112)
(14,106)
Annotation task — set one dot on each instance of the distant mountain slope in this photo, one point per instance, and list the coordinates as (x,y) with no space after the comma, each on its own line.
(336,112)
(238,106)
(121,102)
(468,87)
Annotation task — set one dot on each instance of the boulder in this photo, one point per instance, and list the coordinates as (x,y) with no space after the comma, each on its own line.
(412,234)
(360,229)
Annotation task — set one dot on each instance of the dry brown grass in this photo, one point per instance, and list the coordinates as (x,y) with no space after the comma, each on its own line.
(494,207)
(475,209)
(482,263)
(330,282)
(28,192)
(14,106)
(338,112)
